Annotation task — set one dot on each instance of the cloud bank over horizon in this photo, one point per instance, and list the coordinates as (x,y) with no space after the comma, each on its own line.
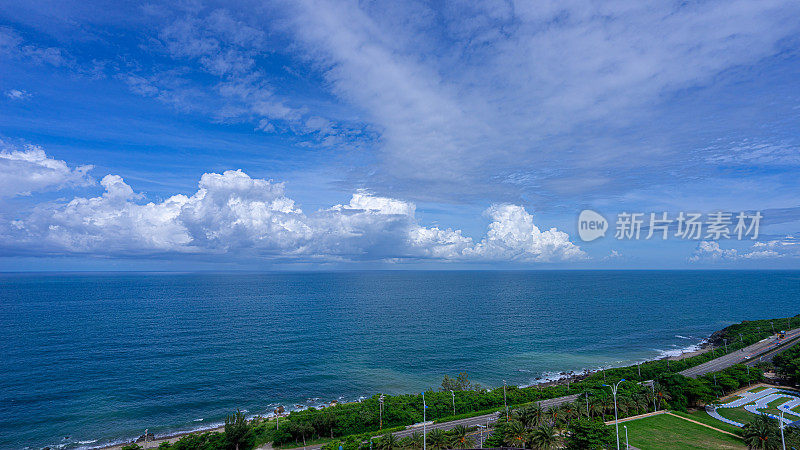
(387,119)
(235,216)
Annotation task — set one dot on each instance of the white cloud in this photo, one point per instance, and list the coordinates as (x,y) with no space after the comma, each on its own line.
(27,170)
(13,45)
(465,94)
(786,247)
(711,251)
(238,216)
(513,236)
(17,94)
(754,153)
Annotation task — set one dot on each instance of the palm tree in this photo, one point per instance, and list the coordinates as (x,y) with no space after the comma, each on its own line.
(554,415)
(414,441)
(762,433)
(438,439)
(525,416)
(623,406)
(660,394)
(537,414)
(516,434)
(544,437)
(388,442)
(641,403)
(460,438)
(569,411)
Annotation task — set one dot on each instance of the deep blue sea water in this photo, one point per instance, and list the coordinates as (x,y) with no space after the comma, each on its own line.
(104,356)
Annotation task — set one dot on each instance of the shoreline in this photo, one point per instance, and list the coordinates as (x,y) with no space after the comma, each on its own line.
(556,379)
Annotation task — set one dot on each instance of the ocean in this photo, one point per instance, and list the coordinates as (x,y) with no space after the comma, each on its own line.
(90,359)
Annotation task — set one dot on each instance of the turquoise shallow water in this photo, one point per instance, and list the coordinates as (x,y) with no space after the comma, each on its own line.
(98,358)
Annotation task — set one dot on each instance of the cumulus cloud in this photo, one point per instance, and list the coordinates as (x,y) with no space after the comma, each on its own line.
(27,170)
(513,236)
(238,216)
(786,247)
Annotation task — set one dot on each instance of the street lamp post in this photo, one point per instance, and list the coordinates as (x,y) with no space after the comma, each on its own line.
(481,427)
(782,425)
(454,401)
(616,417)
(653,388)
(639,368)
(773,327)
(626,437)
(505,402)
(587,404)
(726,344)
(380,401)
(424,417)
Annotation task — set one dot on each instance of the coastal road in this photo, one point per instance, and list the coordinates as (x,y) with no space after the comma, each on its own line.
(484,419)
(471,421)
(771,353)
(749,355)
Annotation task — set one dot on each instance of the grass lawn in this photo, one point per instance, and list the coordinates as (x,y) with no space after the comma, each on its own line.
(739,414)
(702,416)
(758,389)
(667,432)
(772,407)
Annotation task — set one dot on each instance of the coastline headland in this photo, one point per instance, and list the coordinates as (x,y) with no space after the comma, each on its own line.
(555,382)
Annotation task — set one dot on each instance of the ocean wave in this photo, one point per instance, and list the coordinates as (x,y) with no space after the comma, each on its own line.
(550,376)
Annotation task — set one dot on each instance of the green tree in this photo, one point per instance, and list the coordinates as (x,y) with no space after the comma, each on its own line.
(544,437)
(762,433)
(460,438)
(388,442)
(459,383)
(516,435)
(537,415)
(569,412)
(438,439)
(589,434)
(237,429)
(525,415)
(414,441)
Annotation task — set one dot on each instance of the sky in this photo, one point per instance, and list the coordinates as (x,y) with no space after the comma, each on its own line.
(316,135)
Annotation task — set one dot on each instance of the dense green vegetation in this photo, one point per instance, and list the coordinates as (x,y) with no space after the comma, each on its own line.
(353,424)
(787,364)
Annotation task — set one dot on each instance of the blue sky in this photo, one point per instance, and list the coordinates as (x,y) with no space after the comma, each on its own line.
(307,135)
